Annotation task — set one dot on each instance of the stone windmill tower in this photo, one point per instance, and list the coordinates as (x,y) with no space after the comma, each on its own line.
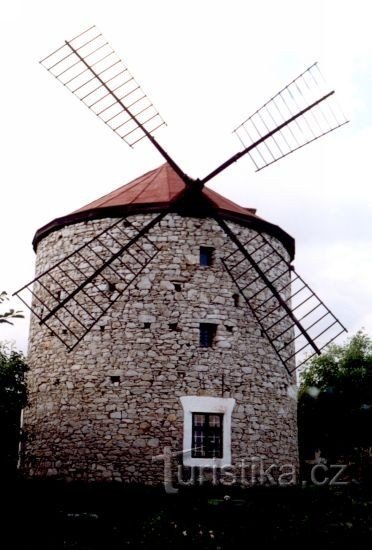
(165,315)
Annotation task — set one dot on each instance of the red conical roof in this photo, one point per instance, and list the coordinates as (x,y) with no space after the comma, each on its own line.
(160,186)
(154,192)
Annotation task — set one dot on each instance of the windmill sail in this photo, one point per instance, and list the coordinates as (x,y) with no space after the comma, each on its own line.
(70,297)
(93,72)
(298,114)
(294,319)
(89,67)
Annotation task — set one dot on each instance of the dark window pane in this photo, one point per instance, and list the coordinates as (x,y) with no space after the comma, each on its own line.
(207,334)
(199,420)
(214,420)
(206,255)
(206,435)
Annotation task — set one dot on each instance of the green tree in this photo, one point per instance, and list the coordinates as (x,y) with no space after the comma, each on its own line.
(335,400)
(6,316)
(13,397)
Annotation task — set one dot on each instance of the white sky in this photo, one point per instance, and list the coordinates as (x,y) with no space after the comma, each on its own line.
(206,65)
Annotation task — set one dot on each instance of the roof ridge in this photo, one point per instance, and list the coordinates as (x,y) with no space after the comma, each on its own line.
(154,174)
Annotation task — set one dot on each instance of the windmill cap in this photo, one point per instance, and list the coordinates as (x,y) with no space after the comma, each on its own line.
(156,191)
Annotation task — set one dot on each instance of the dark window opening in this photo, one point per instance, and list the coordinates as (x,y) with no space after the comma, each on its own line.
(206,255)
(102,328)
(236,300)
(173,326)
(115,380)
(111,287)
(229,328)
(207,435)
(146,325)
(207,334)
(177,287)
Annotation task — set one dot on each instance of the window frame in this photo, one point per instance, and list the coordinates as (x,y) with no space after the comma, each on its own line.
(208,432)
(212,405)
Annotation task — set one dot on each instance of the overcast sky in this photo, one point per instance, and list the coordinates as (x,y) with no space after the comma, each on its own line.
(206,65)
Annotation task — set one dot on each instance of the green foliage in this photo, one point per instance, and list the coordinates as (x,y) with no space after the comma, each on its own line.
(335,399)
(11,313)
(13,397)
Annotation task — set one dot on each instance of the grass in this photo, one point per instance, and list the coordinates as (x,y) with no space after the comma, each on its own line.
(111,517)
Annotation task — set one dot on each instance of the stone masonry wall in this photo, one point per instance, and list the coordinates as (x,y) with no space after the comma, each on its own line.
(103,411)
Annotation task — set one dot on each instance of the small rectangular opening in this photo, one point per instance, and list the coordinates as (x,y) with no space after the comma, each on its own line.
(146,325)
(173,326)
(111,287)
(177,287)
(207,333)
(115,380)
(206,255)
(236,300)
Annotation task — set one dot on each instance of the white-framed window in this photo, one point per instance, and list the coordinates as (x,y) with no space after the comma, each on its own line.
(207,430)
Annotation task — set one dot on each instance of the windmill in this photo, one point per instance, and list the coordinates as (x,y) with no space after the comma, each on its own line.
(298,114)
(120,295)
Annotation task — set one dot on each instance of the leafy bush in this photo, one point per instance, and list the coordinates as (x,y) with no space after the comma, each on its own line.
(13,397)
(335,400)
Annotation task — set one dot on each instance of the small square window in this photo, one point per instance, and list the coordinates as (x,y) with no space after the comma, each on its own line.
(173,326)
(147,325)
(207,435)
(115,380)
(207,333)
(206,255)
(177,287)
